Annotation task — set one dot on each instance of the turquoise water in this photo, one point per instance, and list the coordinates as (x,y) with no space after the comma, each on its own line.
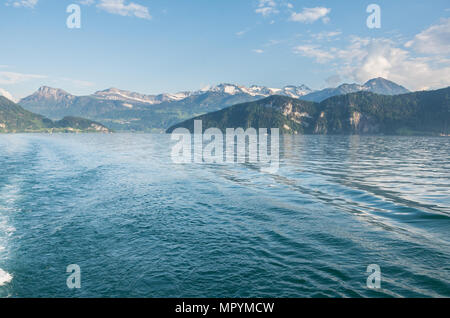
(140,226)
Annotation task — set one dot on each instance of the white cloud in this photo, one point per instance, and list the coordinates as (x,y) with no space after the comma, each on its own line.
(313,51)
(6,94)
(121,8)
(369,58)
(22,3)
(434,40)
(366,58)
(259,51)
(267,7)
(310,15)
(9,78)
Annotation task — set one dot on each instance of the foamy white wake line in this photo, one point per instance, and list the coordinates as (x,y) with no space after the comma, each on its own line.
(5,231)
(5,277)
(8,198)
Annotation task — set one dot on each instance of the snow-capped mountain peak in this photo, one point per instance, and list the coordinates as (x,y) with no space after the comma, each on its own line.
(223,88)
(118,94)
(123,95)
(230,89)
(256,90)
(130,98)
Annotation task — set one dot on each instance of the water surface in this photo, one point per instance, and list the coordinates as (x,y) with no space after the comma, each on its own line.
(140,226)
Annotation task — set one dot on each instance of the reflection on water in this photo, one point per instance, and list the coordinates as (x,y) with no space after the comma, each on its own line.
(140,226)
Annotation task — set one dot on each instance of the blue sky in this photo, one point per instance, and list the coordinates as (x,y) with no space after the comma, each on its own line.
(155,46)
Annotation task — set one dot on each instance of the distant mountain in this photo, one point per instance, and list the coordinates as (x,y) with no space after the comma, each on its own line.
(257,91)
(377,85)
(56,103)
(125,110)
(130,111)
(53,94)
(420,113)
(384,87)
(13,118)
(49,98)
(132,97)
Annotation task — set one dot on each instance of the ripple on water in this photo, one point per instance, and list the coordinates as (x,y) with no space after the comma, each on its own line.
(141,226)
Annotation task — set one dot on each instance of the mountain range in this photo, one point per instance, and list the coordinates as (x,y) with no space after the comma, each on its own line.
(13,119)
(419,113)
(129,111)
(377,85)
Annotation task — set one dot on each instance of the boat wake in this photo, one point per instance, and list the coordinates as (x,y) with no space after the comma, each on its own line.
(5,277)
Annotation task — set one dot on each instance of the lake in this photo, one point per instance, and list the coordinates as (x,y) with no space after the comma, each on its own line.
(139,225)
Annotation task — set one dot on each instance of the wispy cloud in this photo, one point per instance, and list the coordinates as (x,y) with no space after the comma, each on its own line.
(9,78)
(267,7)
(22,3)
(434,40)
(258,51)
(122,8)
(331,35)
(310,15)
(313,51)
(242,32)
(86,2)
(274,42)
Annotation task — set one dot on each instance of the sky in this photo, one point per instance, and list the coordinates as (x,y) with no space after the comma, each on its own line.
(156,46)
